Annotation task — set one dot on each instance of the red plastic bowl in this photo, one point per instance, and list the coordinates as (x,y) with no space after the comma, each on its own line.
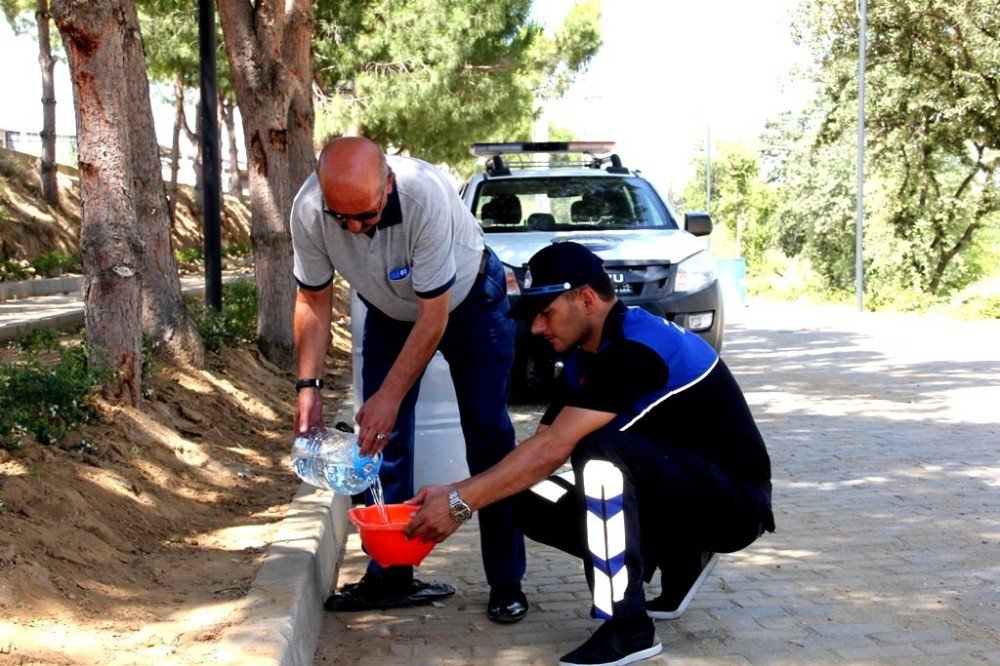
(385,542)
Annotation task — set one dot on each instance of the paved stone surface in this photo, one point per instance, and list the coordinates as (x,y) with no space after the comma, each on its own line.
(884,434)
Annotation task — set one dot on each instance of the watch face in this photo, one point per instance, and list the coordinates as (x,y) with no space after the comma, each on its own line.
(460,511)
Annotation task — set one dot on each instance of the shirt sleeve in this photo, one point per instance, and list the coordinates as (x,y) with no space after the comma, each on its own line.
(311,263)
(619,376)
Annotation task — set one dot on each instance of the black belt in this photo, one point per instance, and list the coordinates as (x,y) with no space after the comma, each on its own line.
(484,261)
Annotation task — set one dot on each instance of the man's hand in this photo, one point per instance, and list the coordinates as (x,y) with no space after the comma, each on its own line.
(308,411)
(376,419)
(433,522)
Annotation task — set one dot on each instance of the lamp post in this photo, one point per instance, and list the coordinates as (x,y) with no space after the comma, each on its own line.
(859,231)
(211,160)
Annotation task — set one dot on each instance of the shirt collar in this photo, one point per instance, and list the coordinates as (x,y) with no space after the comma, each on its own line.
(392,214)
(614,325)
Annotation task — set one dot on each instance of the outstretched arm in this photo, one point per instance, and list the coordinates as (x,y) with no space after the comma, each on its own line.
(534,459)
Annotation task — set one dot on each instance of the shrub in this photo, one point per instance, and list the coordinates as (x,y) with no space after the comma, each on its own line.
(51,264)
(190,255)
(46,397)
(37,341)
(236,323)
(12,270)
(237,250)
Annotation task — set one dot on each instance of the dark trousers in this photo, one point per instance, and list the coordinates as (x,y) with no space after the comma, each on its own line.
(634,505)
(479,347)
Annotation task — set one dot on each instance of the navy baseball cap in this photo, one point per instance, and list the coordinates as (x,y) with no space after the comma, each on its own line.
(553,270)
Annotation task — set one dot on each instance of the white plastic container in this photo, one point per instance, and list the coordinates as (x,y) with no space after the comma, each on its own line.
(439,445)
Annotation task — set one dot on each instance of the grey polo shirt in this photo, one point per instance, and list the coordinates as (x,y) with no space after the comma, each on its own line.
(425,243)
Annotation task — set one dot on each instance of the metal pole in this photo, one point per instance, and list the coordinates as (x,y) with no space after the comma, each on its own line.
(211,159)
(708,169)
(859,232)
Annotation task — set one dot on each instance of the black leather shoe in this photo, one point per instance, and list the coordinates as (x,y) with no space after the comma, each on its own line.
(507,603)
(376,591)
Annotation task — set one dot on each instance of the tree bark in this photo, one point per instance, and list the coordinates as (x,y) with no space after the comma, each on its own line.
(47,168)
(227,109)
(194,138)
(94,36)
(175,145)
(297,54)
(165,317)
(255,36)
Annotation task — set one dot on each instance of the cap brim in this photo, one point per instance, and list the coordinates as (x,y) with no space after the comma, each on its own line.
(527,307)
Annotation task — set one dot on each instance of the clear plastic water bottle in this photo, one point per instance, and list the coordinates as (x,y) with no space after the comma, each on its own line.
(330,459)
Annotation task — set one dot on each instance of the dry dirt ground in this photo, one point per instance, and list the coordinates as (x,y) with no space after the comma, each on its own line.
(132,540)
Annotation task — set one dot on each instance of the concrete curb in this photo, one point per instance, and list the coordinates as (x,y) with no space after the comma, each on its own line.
(283,612)
(42,287)
(71,316)
(65,321)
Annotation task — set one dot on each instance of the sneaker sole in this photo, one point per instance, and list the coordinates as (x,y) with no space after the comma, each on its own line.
(627,659)
(673,615)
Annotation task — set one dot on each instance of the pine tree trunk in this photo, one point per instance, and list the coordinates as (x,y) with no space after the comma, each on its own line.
(255,37)
(194,138)
(94,36)
(175,145)
(227,109)
(47,169)
(297,54)
(165,317)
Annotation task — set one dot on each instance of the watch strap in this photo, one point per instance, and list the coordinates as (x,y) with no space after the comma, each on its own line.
(313,382)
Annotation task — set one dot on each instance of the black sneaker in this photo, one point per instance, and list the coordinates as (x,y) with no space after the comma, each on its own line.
(377,590)
(611,646)
(507,603)
(676,595)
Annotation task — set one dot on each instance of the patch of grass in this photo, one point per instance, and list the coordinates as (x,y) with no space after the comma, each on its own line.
(236,323)
(36,341)
(982,306)
(46,398)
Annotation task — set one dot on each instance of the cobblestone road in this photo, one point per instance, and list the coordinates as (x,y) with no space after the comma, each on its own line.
(884,434)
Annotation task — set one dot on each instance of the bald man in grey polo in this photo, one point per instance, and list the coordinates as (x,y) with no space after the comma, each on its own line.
(440,246)
(425,243)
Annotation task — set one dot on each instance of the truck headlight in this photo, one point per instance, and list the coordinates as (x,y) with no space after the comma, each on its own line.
(694,273)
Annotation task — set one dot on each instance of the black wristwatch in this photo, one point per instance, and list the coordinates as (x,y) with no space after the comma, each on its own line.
(315,383)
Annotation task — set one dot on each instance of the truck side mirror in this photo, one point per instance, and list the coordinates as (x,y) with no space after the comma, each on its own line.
(698,224)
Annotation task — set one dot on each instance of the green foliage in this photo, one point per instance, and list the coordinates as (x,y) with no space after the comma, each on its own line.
(48,264)
(37,341)
(46,394)
(170,38)
(933,126)
(236,323)
(237,250)
(51,264)
(190,255)
(12,270)
(431,77)
(791,278)
(742,204)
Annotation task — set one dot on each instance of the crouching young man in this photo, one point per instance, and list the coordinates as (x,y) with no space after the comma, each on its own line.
(668,466)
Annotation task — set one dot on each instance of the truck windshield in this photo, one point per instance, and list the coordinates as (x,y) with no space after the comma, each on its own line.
(569,204)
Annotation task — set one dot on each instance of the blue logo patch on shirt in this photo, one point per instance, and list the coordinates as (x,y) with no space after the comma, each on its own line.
(399,273)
